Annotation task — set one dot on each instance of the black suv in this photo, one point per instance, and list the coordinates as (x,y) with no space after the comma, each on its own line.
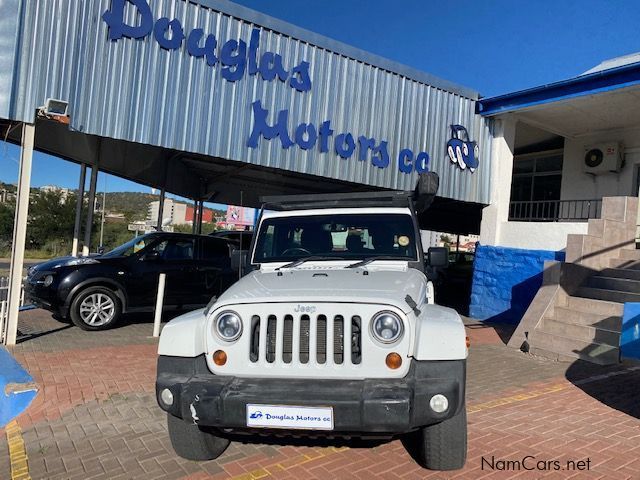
(95,291)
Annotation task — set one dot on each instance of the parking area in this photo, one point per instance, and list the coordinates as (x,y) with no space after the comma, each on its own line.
(95,416)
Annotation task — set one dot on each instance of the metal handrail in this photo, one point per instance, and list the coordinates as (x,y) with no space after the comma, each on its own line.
(554,210)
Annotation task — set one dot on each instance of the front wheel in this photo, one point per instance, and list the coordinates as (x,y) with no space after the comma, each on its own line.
(443,446)
(95,308)
(192,443)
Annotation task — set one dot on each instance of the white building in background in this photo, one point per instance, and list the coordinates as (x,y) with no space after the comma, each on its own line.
(173,213)
(54,188)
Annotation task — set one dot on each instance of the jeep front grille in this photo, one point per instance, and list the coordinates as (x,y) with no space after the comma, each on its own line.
(319,339)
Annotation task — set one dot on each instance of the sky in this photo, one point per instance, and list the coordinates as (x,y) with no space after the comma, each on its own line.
(491,46)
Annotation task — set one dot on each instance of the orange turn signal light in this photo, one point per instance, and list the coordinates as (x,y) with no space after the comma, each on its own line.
(219,357)
(468,342)
(393,361)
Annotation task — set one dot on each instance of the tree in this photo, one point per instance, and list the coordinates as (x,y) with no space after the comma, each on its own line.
(51,220)
(7,213)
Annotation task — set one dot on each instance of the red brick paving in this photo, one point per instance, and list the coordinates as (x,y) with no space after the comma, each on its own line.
(95,417)
(70,377)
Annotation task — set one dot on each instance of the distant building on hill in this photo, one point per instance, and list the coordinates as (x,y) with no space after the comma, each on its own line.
(177,213)
(65,192)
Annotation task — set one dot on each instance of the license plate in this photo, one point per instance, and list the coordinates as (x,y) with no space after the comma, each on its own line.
(289,416)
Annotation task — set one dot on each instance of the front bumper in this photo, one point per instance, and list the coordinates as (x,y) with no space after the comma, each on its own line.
(388,406)
(44,297)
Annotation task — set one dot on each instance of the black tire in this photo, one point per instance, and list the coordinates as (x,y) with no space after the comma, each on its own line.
(192,443)
(443,446)
(76,317)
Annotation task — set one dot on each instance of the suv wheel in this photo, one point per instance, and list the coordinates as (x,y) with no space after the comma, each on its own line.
(443,446)
(95,308)
(192,443)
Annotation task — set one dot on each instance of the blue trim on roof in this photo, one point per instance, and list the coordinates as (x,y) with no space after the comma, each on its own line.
(597,82)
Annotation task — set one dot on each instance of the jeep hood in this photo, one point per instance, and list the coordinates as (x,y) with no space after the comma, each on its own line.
(342,285)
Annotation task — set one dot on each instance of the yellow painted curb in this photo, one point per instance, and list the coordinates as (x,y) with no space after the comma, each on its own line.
(17,453)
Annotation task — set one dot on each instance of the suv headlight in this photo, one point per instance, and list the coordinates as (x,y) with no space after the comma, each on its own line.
(387,327)
(228,326)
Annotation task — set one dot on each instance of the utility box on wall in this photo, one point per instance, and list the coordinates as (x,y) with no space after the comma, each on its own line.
(630,335)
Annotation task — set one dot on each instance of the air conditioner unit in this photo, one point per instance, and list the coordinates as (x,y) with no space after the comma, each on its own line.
(603,158)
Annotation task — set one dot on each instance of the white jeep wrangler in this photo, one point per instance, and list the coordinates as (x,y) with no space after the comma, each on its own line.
(330,333)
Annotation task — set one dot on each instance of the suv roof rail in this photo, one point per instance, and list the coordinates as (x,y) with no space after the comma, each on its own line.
(382,198)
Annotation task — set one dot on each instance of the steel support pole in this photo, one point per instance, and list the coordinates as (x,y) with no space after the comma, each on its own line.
(19,232)
(92,205)
(161,209)
(78,222)
(194,223)
(200,213)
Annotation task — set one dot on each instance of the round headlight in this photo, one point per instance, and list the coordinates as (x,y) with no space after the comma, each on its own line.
(228,326)
(386,327)
(48,280)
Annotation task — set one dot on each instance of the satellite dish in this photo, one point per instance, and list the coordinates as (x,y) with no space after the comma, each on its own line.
(593,158)
(166,222)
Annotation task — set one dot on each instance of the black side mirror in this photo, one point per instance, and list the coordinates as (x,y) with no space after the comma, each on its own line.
(150,256)
(438,257)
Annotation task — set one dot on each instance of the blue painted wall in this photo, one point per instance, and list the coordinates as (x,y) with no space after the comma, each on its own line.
(630,337)
(14,403)
(505,280)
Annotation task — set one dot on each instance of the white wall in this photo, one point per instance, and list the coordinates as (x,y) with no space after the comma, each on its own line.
(539,235)
(496,214)
(577,185)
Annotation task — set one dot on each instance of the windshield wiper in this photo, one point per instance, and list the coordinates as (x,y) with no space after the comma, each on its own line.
(367,261)
(300,261)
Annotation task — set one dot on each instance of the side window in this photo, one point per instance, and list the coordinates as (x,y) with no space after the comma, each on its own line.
(213,249)
(176,249)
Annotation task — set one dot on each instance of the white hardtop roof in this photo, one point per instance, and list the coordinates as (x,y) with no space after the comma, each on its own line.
(336,211)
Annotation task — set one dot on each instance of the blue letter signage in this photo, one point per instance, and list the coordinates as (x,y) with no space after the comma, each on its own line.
(236,58)
(233,54)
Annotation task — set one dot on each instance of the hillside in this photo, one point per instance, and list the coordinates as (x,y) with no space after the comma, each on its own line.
(132,204)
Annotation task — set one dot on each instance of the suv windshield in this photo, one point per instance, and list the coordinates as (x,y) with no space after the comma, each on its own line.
(132,246)
(355,236)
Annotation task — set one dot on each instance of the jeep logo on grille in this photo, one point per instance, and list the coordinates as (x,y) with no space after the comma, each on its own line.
(304,309)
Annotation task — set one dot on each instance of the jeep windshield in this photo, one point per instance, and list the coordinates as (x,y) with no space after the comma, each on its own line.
(340,237)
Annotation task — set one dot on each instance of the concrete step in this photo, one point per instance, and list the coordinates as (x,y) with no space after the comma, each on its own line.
(625,254)
(563,348)
(628,273)
(624,264)
(610,283)
(584,333)
(608,295)
(612,322)
(590,305)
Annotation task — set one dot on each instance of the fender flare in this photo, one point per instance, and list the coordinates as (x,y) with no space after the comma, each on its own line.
(440,334)
(117,287)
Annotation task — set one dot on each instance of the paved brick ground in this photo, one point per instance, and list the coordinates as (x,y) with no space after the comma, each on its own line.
(96,417)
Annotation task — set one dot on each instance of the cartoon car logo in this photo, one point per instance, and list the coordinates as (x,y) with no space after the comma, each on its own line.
(257,414)
(461,150)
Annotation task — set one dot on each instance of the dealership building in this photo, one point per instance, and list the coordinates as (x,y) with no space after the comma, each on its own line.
(215,102)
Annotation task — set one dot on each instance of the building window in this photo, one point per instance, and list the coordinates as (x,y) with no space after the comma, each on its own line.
(537,177)
(535,188)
